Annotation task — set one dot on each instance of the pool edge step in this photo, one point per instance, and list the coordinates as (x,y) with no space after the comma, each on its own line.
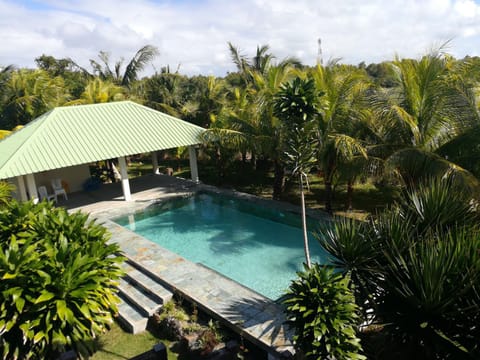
(130,318)
(136,275)
(141,296)
(145,303)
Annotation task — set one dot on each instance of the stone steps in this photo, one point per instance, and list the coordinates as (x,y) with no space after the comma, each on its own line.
(141,296)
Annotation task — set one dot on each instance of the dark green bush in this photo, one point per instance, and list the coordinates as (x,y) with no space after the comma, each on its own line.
(58,276)
(322,310)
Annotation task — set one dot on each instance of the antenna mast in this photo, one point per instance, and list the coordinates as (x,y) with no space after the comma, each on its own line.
(319,54)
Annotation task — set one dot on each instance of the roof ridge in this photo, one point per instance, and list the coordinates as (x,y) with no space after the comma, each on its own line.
(108,103)
(168,115)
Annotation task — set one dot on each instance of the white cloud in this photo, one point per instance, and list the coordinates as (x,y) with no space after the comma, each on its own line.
(194,33)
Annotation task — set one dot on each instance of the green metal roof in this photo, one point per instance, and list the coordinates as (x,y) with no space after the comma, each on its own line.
(67,136)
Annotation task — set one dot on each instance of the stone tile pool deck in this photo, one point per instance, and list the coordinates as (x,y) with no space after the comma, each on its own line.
(253,316)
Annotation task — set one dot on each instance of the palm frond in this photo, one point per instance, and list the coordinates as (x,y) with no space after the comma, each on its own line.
(143,56)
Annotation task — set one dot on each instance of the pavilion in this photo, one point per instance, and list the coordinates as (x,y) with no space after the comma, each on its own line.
(64,141)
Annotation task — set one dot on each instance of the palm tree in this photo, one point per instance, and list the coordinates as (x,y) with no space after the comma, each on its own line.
(162,91)
(5,73)
(429,120)
(237,124)
(265,87)
(342,87)
(98,91)
(124,78)
(27,94)
(296,106)
(259,63)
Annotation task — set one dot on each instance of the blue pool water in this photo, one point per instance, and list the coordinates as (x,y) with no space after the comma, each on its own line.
(260,248)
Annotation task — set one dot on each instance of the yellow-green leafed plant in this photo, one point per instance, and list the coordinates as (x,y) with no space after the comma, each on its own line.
(5,192)
(57,281)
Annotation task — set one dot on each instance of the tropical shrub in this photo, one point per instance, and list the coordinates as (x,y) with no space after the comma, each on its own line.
(416,268)
(58,277)
(322,310)
(5,192)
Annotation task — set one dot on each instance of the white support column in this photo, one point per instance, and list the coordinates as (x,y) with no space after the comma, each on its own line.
(155,162)
(192,156)
(131,222)
(124,177)
(22,192)
(32,188)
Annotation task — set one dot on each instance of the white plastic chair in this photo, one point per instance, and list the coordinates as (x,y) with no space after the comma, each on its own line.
(42,192)
(58,188)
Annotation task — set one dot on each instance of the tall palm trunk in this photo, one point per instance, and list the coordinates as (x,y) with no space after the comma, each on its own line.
(328,197)
(278,180)
(328,176)
(350,194)
(304,224)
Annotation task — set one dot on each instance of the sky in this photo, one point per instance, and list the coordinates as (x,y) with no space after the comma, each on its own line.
(194,34)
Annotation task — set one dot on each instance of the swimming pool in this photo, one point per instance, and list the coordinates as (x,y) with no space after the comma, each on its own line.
(259,247)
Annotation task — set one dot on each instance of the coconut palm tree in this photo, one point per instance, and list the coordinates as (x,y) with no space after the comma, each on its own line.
(429,120)
(259,63)
(5,73)
(98,91)
(27,94)
(265,87)
(340,106)
(126,77)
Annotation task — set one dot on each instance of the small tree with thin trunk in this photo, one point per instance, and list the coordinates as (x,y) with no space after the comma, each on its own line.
(295,105)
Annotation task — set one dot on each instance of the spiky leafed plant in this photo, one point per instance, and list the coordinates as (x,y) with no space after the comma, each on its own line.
(417,267)
(58,281)
(296,106)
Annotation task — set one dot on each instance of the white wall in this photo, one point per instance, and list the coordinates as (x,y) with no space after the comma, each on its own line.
(73,176)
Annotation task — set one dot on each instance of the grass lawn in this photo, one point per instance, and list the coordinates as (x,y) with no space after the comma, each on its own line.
(367,198)
(117,344)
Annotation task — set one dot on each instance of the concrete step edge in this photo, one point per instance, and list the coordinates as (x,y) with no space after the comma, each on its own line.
(129,324)
(139,298)
(161,294)
(142,268)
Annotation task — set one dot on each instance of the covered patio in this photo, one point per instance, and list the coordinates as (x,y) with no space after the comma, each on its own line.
(64,141)
(145,189)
